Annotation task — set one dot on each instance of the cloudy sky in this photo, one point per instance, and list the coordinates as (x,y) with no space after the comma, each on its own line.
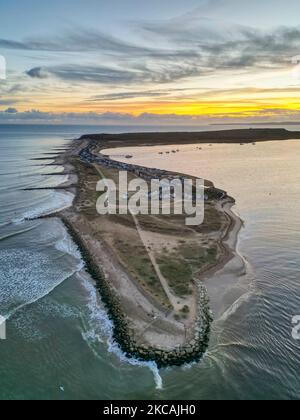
(155,62)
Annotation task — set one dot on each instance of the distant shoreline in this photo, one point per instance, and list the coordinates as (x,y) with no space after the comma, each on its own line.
(266,124)
(194,137)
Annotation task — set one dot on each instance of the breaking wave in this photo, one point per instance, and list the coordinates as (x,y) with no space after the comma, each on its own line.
(58,202)
(27,276)
(99,329)
(67,246)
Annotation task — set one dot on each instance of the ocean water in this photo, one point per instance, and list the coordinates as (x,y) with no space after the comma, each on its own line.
(59,342)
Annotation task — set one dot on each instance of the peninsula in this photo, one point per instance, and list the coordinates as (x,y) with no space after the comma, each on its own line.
(148,269)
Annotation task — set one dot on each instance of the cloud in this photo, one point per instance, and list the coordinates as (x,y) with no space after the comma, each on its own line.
(11,115)
(196,47)
(225,44)
(159,93)
(95,74)
(126,95)
(164,52)
(13,45)
(129,63)
(38,73)
(8,101)
(16,88)
(161,73)
(83,41)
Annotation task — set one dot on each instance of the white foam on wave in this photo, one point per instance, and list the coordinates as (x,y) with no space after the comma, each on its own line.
(58,202)
(114,348)
(14,233)
(26,277)
(246,297)
(30,324)
(67,246)
(100,329)
(246,286)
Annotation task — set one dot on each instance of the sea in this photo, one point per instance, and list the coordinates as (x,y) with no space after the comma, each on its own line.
(58,337)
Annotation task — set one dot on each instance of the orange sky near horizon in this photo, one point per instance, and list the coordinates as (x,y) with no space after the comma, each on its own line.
(202,107)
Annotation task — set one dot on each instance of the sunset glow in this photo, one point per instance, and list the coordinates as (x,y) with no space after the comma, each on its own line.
(204,61)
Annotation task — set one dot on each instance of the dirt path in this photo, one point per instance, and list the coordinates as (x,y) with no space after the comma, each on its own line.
(176,302)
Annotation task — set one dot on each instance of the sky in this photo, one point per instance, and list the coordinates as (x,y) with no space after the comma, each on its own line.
(156,62)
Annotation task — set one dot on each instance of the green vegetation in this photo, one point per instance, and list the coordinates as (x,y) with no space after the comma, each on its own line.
(180,267)
(136,259)
(185,311)
(198,256)
(213,219)
(178,273)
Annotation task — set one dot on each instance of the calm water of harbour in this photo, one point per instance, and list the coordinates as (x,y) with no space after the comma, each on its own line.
(58,336)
